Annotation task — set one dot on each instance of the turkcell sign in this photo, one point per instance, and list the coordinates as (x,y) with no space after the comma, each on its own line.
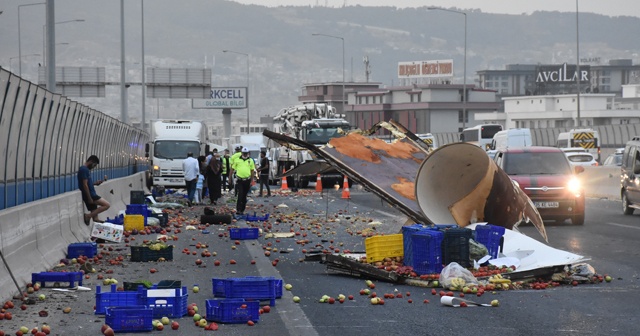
(224,97)
(425,69)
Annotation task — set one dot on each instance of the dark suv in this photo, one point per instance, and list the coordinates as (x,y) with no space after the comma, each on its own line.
(545,175)
(630,176)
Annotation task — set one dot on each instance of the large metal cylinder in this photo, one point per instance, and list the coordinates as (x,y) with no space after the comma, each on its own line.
(459,183)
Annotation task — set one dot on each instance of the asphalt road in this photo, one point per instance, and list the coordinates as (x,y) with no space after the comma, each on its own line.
(608,237)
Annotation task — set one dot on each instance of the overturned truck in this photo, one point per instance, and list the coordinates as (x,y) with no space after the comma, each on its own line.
(457,183)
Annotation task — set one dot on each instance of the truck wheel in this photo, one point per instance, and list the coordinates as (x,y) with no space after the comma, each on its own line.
(626,209)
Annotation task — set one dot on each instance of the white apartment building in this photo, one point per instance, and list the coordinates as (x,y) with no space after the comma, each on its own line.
(556,111)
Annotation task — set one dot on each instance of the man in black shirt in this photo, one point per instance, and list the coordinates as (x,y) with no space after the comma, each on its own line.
(264,173)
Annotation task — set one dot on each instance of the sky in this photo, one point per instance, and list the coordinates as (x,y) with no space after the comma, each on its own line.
(605,7)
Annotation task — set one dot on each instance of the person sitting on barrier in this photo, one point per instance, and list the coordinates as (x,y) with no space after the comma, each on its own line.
(94,203)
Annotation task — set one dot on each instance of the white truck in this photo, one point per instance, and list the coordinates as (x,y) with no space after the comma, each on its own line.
(171,140)
(255,142)
(313,123)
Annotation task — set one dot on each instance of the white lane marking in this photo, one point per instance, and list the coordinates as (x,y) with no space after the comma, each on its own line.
(625,226)
(386,213)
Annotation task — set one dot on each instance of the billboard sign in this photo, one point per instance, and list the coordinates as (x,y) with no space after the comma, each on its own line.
(223,97)
(425,69)
(561,74)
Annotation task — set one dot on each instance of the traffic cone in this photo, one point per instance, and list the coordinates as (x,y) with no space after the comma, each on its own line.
(319,183)
(346,194)
(283,184)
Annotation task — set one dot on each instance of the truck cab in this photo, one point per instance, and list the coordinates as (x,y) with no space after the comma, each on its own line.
(319,131)
(515,137)
(171,140)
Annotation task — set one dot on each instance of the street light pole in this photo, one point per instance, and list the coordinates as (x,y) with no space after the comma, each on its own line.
(342,104)
(578,73)
(247,55)
(124,114)
(19,39)
(144,80)
(464,80)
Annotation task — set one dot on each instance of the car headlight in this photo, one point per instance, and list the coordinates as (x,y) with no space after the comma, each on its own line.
(574,186)
(156,171)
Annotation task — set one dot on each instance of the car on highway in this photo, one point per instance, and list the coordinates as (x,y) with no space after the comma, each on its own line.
(581,159)
(630,173)
(614,159)
(547,177)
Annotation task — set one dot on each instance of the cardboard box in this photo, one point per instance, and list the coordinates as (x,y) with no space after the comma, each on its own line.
(108,231)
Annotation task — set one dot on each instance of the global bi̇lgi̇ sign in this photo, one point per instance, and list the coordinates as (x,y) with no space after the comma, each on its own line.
(226,97)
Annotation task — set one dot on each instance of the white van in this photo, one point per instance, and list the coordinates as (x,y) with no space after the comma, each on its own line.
(515,137)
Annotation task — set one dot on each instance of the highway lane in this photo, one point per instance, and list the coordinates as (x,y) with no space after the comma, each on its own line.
(608,237)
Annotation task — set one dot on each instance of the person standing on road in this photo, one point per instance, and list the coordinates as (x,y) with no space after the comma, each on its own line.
(233,159)
(199,196)
(226,168)
(245,169)
(191,169)
(94,203)
(264,173)
(202,161)
(213,178)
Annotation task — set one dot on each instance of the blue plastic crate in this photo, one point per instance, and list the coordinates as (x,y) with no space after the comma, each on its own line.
(407,231)
(275,282)
(455,246)
(88,250)
(244,233)
(138,209)
(169,302)
(115,298)
(443,227)
(73,278)
(489,236)
(250,288)
(133,318)
(116,220)
(427,251)
(232,310)
(256,218)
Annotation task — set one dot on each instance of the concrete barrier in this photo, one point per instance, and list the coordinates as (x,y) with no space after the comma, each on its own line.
(34,236)
(602,182)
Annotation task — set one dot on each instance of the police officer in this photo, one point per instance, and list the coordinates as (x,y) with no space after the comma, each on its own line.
(245,170)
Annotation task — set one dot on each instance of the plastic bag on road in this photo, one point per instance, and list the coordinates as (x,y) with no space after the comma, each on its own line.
(455,277)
